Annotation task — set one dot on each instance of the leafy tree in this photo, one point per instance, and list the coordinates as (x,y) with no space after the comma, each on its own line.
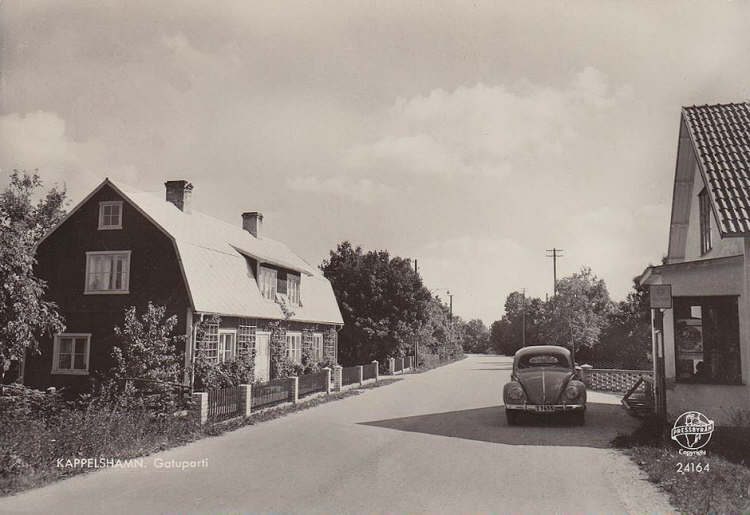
(579,312)
(626,341)
(476,336)
(500,337)
(382,301)
(24,314)
(147,360)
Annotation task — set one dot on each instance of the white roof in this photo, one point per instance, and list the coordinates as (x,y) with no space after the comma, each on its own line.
(212,254)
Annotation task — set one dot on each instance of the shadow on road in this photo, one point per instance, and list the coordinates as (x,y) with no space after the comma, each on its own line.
(603,422)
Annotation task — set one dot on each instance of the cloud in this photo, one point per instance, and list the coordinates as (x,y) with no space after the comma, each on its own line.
(359,190)
(490,130)
(39,141)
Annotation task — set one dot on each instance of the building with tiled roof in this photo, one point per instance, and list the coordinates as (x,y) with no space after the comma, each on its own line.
(706,273)
(121,247)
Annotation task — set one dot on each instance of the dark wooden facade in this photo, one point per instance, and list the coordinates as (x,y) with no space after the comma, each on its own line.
(155,276)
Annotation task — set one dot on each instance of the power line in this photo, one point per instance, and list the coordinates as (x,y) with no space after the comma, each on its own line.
(554,254)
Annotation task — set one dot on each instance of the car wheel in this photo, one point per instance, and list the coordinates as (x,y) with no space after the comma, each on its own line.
(512,417)
(579,417)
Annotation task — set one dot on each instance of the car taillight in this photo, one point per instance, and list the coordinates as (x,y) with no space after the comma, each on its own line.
(571,392)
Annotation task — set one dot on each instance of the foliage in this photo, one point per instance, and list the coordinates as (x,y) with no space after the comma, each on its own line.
(579,312)
(147,362)
(616,335)
(476,336)
(210,374)
(24,314)
(383,302)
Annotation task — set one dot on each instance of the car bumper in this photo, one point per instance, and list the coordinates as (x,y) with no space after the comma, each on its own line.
(545,408)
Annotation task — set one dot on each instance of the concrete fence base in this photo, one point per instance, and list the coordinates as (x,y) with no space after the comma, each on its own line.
(200,407)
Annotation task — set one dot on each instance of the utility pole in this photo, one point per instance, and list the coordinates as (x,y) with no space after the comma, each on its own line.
(555,253)
(524,316)
(416,267)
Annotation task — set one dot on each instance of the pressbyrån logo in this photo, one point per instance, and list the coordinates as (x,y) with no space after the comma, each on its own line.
(692,430)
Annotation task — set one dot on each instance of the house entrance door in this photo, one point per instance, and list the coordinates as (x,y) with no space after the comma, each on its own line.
(262,356)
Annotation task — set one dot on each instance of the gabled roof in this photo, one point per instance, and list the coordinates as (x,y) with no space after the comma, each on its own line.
(720,135)
(213,256)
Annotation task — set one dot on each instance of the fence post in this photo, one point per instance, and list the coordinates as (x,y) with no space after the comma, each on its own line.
(586,375)
(327,370)
(361,375)
(200,407)
(337,378)
(375,362)
(246,399)
(392,366)
(295,389)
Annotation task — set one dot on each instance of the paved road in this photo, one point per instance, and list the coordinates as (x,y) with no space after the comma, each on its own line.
(433,443)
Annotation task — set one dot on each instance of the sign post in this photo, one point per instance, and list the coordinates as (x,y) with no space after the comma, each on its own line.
(660,296)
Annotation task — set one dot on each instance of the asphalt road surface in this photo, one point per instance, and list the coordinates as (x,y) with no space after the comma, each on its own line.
(435,442)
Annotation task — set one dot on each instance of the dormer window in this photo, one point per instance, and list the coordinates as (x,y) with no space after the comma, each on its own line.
(292,289)
(705,221)
(267,282)
(110,215)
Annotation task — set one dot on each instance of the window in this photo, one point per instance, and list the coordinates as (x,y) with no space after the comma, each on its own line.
(225,350)
(294,346)
(707,340)
(107,272)
(292,289)
(705,221)
(110,215)
(267,282)
(317,346)
(70,354)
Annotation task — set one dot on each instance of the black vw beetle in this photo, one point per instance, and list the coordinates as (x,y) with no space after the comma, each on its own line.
(544,380)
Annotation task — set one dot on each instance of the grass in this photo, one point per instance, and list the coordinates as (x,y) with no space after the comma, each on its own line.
(32,439)
(722,485)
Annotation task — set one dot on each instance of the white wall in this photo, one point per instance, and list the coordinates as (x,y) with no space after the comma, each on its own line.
(721,247)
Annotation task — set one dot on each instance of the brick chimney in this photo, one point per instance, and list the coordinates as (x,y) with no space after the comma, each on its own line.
(180,194)
(253,223)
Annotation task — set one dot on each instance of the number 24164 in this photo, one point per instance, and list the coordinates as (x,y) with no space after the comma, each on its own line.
(692,466)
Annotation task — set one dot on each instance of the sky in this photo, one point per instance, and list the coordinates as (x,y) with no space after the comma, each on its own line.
(470,136)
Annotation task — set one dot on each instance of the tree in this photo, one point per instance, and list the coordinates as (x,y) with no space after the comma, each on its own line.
(500,337)
(147,360)
(24,314)
(385,306)
(626,341)
(476,336)
(580,311)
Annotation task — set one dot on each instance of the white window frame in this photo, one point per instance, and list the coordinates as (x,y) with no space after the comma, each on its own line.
(126,279)
(56,355)
(108,203)
(317,345)
(295,280)
(267,282)
(220,351)
(294,352)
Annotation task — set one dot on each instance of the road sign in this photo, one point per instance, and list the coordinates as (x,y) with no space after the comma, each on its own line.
(661,296)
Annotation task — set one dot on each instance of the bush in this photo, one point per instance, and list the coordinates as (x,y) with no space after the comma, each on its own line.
(210,375)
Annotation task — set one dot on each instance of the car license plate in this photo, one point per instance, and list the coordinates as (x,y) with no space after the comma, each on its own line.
(545,408)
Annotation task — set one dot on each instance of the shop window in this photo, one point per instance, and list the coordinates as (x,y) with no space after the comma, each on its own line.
(707,340)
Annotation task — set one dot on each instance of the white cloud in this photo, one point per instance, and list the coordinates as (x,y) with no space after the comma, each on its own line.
(487,130)
(359,190)
(39,141)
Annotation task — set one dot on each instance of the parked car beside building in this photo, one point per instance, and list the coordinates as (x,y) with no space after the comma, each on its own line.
(544,381)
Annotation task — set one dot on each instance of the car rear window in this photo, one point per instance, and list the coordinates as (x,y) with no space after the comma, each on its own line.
(543,360)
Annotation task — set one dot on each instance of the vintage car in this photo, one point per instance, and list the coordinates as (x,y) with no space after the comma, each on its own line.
(544,380)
